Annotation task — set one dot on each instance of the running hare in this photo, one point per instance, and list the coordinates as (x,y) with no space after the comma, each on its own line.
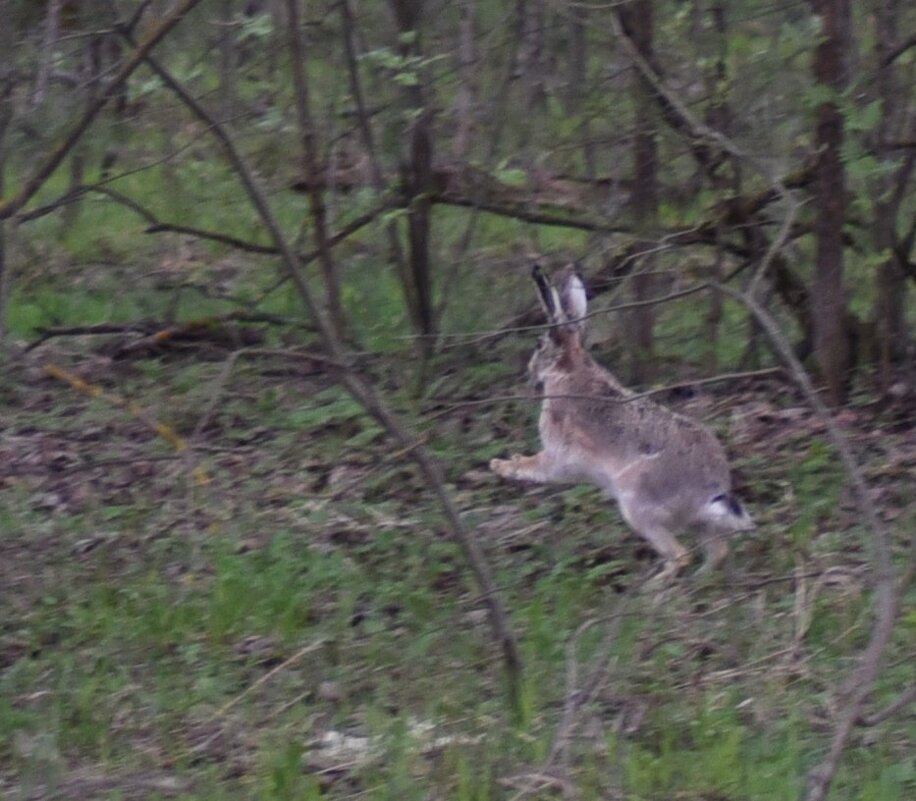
(667,472)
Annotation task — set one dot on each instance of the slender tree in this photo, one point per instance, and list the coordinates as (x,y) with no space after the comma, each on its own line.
(637,21)
(829,307)
(417,175)
(892,284)
(312,169)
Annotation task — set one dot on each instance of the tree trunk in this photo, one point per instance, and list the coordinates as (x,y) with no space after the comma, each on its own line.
(395,251)
(464,98)
(48,45)
(227,72)
(312,169)
(636,18)
(418,184)
(890,298)
(719,118)
(535,54)
(578,80)
(6,115)
(829,297)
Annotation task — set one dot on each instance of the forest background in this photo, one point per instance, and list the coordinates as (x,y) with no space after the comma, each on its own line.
(265,310)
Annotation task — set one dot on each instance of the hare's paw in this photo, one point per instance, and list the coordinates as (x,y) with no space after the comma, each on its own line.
(505,467)
(671,568)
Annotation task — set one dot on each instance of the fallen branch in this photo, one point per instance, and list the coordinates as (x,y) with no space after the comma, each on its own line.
(133,409)
(155,333)
(99,329)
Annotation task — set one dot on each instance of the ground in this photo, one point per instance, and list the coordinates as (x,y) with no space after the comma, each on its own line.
(276,611)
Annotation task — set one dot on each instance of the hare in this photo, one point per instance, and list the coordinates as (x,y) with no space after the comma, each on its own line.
(667,472)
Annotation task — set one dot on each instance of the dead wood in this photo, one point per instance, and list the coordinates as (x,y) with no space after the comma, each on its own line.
(153,335)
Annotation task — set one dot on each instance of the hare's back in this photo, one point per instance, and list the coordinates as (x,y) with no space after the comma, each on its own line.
(671,453)
(593,410)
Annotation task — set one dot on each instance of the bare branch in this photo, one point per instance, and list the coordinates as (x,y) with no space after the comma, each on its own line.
(156,226)
(854,691)
(131,25)
(702,131)
(899,50)
(526,215)
(365,394)
(906,698)
(213,236)
(497,399)
(51,163)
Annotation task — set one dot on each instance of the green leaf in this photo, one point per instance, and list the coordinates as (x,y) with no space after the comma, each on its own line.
(513,177)
(863,119)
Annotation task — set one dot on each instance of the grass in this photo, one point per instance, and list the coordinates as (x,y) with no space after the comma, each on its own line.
(144,615)
(300,626)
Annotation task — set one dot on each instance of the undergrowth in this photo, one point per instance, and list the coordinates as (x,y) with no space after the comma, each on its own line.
(301,626)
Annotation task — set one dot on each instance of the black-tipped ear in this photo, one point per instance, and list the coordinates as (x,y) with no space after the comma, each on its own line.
(546,293)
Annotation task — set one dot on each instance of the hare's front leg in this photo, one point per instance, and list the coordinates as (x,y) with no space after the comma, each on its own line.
(540,468)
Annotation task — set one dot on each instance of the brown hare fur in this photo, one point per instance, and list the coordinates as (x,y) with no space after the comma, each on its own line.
(668,473)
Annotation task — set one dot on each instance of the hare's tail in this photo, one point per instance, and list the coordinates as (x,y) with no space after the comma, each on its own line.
(726,511)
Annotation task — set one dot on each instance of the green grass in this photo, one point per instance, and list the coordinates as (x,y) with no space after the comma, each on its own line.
(133,653)
(215,635)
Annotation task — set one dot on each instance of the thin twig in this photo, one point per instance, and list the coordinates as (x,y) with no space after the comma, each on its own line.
(578,697)
(365,394)
(906,698)
(627,398)
(216,392)
(855,689)
(53,160)
(306,649)
(701,130)
(219,386)
(221,712)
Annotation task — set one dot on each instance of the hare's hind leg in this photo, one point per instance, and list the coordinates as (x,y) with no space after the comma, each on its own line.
(715,547)
(660,537)
(540,468)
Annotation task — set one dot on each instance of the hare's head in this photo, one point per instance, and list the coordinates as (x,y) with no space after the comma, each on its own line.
(565,306)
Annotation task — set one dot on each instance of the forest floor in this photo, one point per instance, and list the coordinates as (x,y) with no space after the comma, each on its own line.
(276,611)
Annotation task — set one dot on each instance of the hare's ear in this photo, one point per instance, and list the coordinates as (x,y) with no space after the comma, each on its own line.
(550,300)
(573,299)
